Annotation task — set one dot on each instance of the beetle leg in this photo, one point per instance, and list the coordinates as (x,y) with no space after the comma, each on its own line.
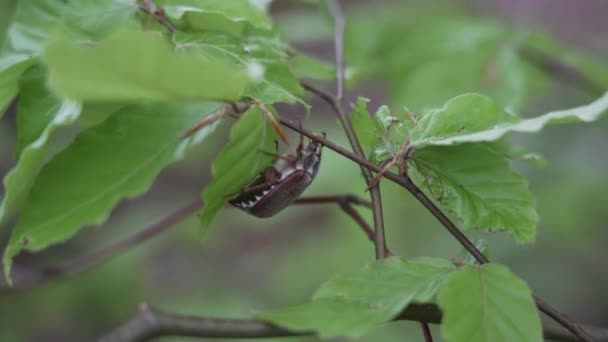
(301,144)
(255,187)
(271,175)
(288,158)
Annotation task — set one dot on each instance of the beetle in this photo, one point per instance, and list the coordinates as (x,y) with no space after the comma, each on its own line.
(281,183)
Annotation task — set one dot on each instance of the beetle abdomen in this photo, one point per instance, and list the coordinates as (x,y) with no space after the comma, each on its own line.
(270,200)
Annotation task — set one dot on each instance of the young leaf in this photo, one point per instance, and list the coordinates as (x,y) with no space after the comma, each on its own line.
(460,116)
(39,114)
(9,82)
(34,21)
(352,304)
(95,19)
(450,135)
(305,66)
(131,65)
(203,14)
(116,159)
(478,186)
(382,135)
(365,127)
(261,53)
(28,32)
(488,304)
(239,162)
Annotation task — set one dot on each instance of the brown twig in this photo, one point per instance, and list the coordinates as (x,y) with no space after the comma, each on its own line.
(149,7)
(336,13)
(426,332)
(85,262)
(336,103)
(345,202)
(149,323)
(407,183)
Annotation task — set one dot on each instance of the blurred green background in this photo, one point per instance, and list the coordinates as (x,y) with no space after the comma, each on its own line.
(244,264)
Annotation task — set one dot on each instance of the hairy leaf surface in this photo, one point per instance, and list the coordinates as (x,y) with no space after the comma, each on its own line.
(114,160)
(478,187)
(39,114)
(488,303)
(352,304)
(131,65)
(262,54)
(447,131)
(229,16)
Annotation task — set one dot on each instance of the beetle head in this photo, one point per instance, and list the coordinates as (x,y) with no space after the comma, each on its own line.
(311,157)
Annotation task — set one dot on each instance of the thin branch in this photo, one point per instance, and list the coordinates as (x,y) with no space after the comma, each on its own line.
(149,323)
(345,202)
(379,239)
(85,262)
(336,103)
(149,7)
(336,13)
(348,198)
(564,320)
(407,183)
(426,332)
(41,277)
(560,71)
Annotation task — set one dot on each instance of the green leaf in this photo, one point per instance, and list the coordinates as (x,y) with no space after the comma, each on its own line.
(26,35)
(96,19)
(450,136)
(381,136)
(433,57)
(478,186)
(488,304)
(305,66)
(131,65)
(117,159)
(352,304)
(462,115)
(9,83)
(39,114)
(206,14)
(262,54)
(365,126)
(516,153)
(31,25)
(239,162)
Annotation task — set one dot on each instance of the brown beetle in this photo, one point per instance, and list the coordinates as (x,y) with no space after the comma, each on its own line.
(281,183)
